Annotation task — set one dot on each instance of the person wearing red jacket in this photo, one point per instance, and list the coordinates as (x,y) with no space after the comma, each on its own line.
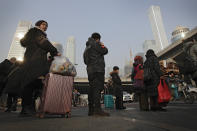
(138,79)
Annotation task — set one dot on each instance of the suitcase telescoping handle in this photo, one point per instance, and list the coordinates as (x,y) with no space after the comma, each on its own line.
(106,89)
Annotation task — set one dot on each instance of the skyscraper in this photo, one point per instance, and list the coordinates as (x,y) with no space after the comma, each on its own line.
(131,58)
(127,68)
(158,28)
(108,70)
(16,50)
(70,49)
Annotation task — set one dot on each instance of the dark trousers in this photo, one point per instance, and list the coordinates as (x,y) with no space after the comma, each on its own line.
(12,101)
(154,103)
(28,95)
(2,84)
(143,101)
(119,98)
(96,82)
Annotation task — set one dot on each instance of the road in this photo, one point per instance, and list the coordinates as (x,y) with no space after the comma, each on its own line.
(178,117)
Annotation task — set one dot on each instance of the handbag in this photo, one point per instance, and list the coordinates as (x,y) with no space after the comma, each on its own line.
(164,94)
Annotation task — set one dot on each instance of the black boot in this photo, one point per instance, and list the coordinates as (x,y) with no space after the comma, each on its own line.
(90,111)
(27,111)
(100,112)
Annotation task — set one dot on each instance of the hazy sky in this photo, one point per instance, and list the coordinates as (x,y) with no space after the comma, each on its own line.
(123,24)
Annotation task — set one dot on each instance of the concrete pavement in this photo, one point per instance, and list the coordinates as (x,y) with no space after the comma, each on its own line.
(179,117)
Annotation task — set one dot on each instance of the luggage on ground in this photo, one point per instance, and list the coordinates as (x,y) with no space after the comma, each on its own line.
(57,95)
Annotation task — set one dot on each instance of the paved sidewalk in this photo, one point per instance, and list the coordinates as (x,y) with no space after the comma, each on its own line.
(179,117)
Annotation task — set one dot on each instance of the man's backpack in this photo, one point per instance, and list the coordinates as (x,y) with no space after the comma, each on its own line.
(86,56)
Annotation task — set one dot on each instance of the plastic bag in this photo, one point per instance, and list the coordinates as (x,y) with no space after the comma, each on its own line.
(164,94)
(61,65)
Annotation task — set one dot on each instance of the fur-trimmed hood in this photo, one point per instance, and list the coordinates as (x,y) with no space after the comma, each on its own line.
(31,36)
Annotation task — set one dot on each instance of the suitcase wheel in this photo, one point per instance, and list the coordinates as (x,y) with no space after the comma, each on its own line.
(68,115)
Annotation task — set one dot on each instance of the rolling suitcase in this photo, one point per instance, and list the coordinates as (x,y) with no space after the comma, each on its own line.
(108,101)
(57,95)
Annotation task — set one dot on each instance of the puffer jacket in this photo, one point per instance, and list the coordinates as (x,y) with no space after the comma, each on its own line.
(35,62)
(96,57)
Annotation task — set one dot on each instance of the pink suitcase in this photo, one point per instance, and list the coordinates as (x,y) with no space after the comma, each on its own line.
(57,95)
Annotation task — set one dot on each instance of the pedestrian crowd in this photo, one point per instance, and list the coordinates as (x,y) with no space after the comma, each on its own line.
(31,78)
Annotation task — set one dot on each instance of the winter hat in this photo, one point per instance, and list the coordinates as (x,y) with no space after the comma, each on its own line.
(38,23)
(96,36)
(115,68)
(139,59)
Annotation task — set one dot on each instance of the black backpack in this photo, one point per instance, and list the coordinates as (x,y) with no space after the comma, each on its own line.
(86,56)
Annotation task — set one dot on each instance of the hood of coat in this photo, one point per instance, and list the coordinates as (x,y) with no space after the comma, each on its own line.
(90,41)
(31,35)
(150,53)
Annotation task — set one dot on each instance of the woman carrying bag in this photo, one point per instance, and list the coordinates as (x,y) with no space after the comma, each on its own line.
(152,74)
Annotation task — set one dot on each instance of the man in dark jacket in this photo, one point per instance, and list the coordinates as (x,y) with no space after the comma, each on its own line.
(117,87)
(35,64)
(94,59)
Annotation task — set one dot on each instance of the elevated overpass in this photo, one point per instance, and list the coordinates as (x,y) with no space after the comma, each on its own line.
(175,50)
(82,84)
(83,79)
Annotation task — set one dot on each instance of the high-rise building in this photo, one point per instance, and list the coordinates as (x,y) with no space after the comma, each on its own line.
(149,44)
(108,70)
(58,46)
(16,50)
(70,49)
(131,58)
(158,28)
(127,68)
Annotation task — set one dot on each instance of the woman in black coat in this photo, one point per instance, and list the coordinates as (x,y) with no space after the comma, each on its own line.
(151,85)
(35,63)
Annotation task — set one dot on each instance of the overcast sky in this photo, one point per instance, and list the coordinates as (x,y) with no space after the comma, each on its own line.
(123,24)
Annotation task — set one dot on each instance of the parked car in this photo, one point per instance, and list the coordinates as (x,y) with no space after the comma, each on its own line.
(127,97)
